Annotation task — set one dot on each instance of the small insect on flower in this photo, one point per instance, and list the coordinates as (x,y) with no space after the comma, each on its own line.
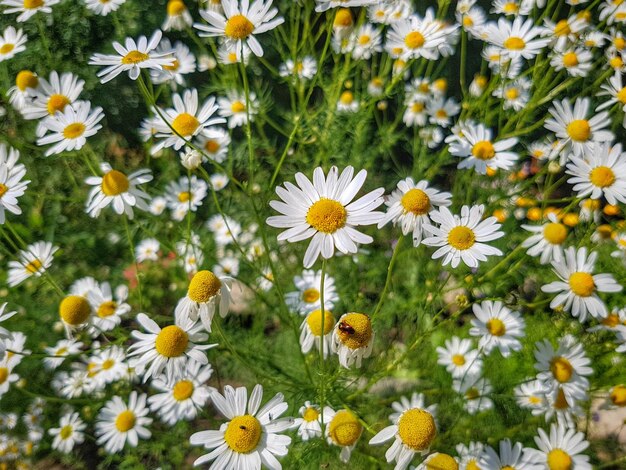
(353,339)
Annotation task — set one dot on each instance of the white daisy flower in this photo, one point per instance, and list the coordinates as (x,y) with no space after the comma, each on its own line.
(498,327)
(119,423)
(304,69)
(564,31)
(12,185)
(53,95)
(561,449)
(108,312)
(147,249)
(69,129)
(322,210)
(4,333)
(502,64)
(517,39)
(184,63)
(353,339)
(26,84)
(614,321)
(33,261)
(347,103)
(365,42)
(511,455)
(183,398)
(240,23)
(84,286)
(184,195)
(307,298)
(441,110)
(7,377)
(233,108)
(601,173)
(12,42)
(118,190)
(470,455)
(459,357)
(616,398)
(475,391)
(108,366)
(578,287)
(27,8)
(311,331)
(413,430)
(74,312)
(547,240)
(218,181)
(343,429)
(576,61)
(132,57)
(60,351)
(251,436)
(461,238)
(472,21)
(410,204)
(178,16)
(310,424)
(415,114)
(228,54)
(515,94)
(438,461)
(69,433)
(103,8)
(15,351)
(169,348)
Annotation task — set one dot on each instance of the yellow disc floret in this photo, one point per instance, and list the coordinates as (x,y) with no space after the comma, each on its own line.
(461,237)
(32,4)
(314,320)
(310,414)
(355,330)
(483,150)
(555,233)
(185,124)
(26,79)
(243,434)
(106,309)
(415,201)
(442,462)
(618,395)
(172,341)
(310,295)
(134,57)
(414,40)
(125,421)
(183,390)
(327,215)
(56,103)
(4,374)
(561,369)
(175,7)
(66,431)
(114,183)
(582,284)
(514,43)
(238,27)
(558,459)
(204,286)
(496,327)
(74,310)
(416,429)
(602,176)
(579,130)
(344,429)
(74,130)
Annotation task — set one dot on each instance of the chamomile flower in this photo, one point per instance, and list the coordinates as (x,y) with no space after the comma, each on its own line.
(441,110)
(53,95)
(498,327)
(521,38)
(515,94)
(413,430)
(7,377)
(74,312)
(410,204)
(185,195)
(60,351)
(513,456)
(132,57)
(347,103)
(312,333)
(108,311)
(614,321)
(601,173)
(206,294)
(182,398)
(578,286)
(547,240)
(310,423)
(251,436)
(415,113)
(353,339)
(33,261)
(479,150)
(470,455)
(215,142)
(179,124)
(68,129)
(184,63)
(103,8)
(147,250)
(307,298)
(562,448)
(12,42)
(27,8)
(108,366)
(475,391)
(322,210)
(119,423)
(69,433)
(240,23)
(576,61)
(118,190)
(218,181)
(169,348)
(462,238)
(531,394)
(234,108)
(459,357)
(304,69)
(178,16)
(26,84)
(366,41)
(12,185)
(343,429)
(4,333)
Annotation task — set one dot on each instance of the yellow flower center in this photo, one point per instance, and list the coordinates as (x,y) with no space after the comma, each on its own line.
(173,66)
(483,150)
(508,467)
(602,176)
(314,320)
(458,359)
(184,196)
(74,310)
(3,189)
(461,237)
(415,201)
(125,421)
(561,369)
(582,284)
(61,352)
(311,295)
(237,107)
(327,215)
(204,286)
(6,48)
(34,266)
(555,233)
(344,429)
(26,79)
(559,460)
(74,130)
(468,22)
(510,7)
(106,309)
(579,130)
(172,341)
(611,321)
(414,40)
(106,365)
(211,146)
(238,27)
(66,431)
(183,390)
(310,414)
(243,434)
(570,59)
(343,18)
(416,428)
(496,327)
(472,393)
(417,107)
(619,43)
(355,330)
(621,95)
(347,97)
(472,465)
(185,124)
(364,39)
(57,103)
(562,28)
(114,182)
(616,62)
(134,57)
(175,7)
(511,93)
(514,43)
(32,4)
(618,395)
(4,374)
(442,462)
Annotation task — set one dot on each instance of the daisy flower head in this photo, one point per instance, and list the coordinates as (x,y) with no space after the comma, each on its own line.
(147,250)
(475,391)
(413,430)
(601,173)
(53,95)
(60,351)
(132,57)
(614,321)
(119,423)
(410,204)
(347,103)
(27,8)
(178,16)
(562,448)
(575,129)
(4,333)
(304,69)
(181,399)
(521,38)
(546,240)
(206,293)
(312,333)
(576,61)
(184,63)
(103,8)
(462,238)
(108,366)
(107,310)
(68,129)
(577,286)
(236,109)
(469,455)
(513,456)
(322,210)
(75,312)
(438,461)
(353,339)
(185,195)
(310,422)
(365,42)
(307,298)
(69,433)
(616,397)
(215,142)
(169,348)
(12,42)
(251,438)
(515,94)
(441,110)
(531,394)
(7,377)
(26,84)
(240,22)
(498,327)
(118,190)
(343,429)
(459,357)
(177,125)
(33,261)
(12,184)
